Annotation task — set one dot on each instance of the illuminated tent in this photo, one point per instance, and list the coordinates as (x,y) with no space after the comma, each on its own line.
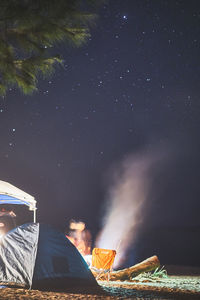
(40,257)
(9,194)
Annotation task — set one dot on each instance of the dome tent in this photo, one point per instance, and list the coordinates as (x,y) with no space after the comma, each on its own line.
(38,256)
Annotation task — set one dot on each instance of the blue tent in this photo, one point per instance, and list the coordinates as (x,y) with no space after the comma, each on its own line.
(38,256)
(9,194)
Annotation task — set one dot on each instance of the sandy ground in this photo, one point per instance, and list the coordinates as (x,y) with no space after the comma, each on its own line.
(173,287)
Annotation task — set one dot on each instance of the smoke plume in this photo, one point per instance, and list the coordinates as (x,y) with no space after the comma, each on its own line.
(126,204)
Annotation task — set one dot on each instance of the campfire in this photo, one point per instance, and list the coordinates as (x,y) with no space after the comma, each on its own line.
(81,238)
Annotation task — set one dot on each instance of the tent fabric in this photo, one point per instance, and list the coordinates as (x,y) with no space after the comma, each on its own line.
(9,194)
(37,256)
(18,251)
(58,258)
(5,199)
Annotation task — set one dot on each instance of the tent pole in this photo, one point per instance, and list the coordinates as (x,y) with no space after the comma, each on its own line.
(34,216)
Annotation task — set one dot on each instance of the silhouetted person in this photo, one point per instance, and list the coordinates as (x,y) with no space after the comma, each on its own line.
(80,237)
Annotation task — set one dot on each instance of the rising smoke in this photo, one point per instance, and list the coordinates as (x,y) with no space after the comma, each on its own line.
(126,199)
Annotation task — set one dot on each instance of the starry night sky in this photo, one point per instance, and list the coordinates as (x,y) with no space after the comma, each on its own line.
(134,87)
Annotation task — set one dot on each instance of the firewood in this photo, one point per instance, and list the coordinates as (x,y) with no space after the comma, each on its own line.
(147,265)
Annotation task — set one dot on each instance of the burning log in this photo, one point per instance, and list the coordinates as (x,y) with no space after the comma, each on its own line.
(147,265)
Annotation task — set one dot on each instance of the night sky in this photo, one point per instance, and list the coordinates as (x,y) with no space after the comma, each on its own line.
(133,88)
